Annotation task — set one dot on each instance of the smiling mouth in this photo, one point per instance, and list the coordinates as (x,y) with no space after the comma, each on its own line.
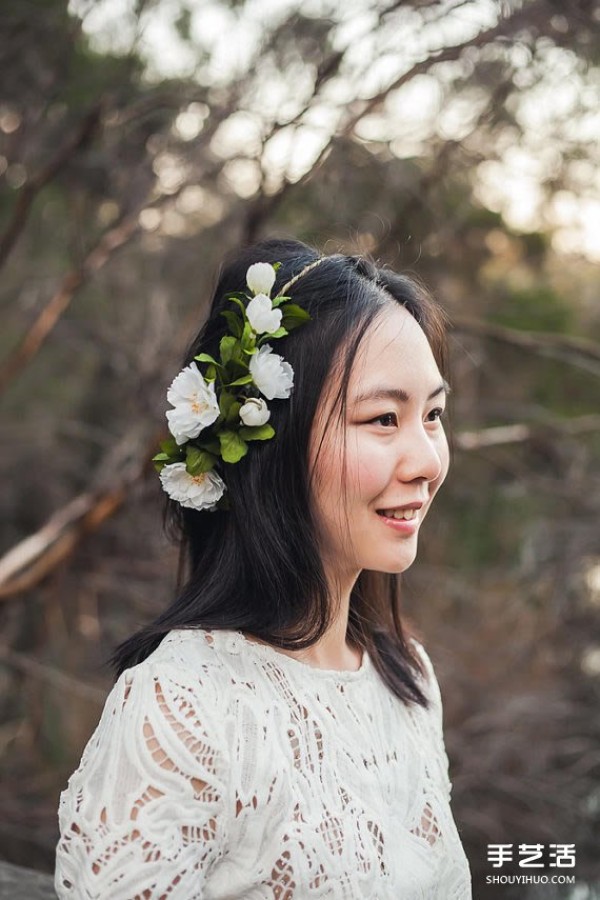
(408,514)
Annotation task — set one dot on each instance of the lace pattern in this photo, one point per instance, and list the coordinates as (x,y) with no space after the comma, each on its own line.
(222,768)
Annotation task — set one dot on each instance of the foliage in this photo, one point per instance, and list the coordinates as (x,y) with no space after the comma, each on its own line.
(408,132)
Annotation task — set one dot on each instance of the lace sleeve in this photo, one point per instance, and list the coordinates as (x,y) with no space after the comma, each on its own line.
(142,817)
(436,715)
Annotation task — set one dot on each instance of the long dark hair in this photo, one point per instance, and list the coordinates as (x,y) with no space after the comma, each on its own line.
(256,567)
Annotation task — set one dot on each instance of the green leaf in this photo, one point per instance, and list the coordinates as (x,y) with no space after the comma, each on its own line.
(198,461)
(232,413)
(227,348)
(245,379)
(159,466)
(170,446)
(276,266)
(281,332)
(235,325)
(277,301)
(292,309)
(232,446)
(206,357)
(291,323)
(257,432)
(161,457)
(238,302)
(248,337)
(212,446)
(294,323)
(225,400)
(210,374)
(293,316)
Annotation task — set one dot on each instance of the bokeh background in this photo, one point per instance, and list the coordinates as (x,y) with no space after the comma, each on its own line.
(456,139)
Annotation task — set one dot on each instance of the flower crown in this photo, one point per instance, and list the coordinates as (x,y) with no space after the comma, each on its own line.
(216,414)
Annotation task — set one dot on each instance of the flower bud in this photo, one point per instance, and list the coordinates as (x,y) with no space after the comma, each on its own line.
(254,412)
(260,278)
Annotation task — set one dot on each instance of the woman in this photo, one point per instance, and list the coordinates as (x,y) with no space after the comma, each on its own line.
(275,733)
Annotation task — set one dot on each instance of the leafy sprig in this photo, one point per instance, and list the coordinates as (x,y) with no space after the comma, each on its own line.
(227,438)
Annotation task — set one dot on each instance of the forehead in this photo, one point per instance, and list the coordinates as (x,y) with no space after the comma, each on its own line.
(395,348)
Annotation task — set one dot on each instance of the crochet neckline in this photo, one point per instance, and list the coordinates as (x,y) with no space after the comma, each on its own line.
(271,652)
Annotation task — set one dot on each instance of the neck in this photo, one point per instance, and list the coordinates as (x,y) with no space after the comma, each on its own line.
(332,651)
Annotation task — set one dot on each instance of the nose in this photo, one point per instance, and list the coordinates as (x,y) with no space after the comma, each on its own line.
(422,455)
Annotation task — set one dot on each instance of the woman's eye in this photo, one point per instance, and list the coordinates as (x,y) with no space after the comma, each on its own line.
(435,414)
(386,419)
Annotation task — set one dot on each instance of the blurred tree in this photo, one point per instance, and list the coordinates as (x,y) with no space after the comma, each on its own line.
(137,145)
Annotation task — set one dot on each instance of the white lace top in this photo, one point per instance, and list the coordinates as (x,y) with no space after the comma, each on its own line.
(223,768)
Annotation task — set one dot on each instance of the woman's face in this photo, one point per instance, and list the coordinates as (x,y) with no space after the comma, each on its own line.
(396,453)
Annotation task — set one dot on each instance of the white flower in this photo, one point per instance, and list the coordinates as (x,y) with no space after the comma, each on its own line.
(195,402)
(194,491)
(254,412)
(271,375)
(260,278)
(262,316)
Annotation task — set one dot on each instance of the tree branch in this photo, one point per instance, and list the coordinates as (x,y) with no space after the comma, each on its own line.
(59,680)
(32,560)
(517,433)
(111,240)
(263,209)
(575,351)
(37,182)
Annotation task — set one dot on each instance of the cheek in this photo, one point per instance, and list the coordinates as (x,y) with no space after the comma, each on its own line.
(367,471)
(325,467)
(443,451)
(368,467)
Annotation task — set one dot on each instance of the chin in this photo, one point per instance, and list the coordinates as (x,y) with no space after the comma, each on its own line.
(395,566)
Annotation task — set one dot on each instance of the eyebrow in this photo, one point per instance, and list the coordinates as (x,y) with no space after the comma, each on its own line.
(384,393)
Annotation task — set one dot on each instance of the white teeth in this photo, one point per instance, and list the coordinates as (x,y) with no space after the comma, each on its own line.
(400,513)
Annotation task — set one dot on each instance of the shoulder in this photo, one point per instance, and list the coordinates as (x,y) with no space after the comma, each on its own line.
(191,649)
(430,679)
(195,667)
(159,758)
(196,657)
(165,707)
(422,654)
(434,718)
(185,670)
